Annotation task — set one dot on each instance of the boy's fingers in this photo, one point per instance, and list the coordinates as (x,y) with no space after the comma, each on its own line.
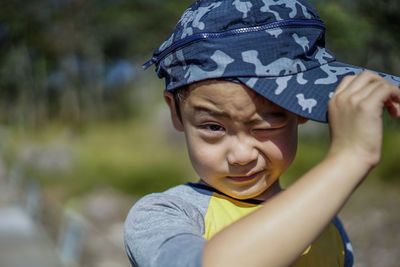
(362,80)
(368,89)
(387,95)
(393,105)
(393,108)
(344,83)
(359,82)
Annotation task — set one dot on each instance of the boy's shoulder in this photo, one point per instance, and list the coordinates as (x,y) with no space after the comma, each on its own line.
(186,198)
(157,218)
(188,192)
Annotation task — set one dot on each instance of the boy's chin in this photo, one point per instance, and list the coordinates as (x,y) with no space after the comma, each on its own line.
(259,190)
(245,192)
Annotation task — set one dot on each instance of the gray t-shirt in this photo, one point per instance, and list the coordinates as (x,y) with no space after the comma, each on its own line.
(169,229)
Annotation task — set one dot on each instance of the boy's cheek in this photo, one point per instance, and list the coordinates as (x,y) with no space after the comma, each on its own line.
(206,159)
(206,155)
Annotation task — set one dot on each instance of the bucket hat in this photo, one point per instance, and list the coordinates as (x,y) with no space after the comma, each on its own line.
(275,47)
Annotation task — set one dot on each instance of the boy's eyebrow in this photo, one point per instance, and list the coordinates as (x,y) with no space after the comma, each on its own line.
(271,117)
(200,110)
(275,115)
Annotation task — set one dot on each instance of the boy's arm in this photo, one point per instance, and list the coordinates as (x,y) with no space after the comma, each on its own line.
(277,233)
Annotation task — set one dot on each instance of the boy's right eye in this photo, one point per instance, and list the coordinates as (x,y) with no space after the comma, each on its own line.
(213,127)
(212,130)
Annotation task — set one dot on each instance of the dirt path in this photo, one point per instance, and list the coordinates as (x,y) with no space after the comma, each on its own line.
(23,242)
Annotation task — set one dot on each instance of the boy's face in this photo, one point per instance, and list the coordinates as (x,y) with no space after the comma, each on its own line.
(238,142)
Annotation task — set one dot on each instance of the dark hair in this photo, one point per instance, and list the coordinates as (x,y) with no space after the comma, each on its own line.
(180,95)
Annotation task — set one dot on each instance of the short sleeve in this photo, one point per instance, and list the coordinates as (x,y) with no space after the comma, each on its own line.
(164,230)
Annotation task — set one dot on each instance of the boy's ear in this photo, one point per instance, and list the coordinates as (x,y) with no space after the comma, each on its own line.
(176,120)
(301,120)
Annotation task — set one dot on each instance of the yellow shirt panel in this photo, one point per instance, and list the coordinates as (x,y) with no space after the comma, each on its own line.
(326,251)
(222,211)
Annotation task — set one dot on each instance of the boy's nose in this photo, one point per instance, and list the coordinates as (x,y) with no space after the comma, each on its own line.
(242,152)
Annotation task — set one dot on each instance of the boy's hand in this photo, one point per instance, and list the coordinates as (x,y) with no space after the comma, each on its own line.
(355,116)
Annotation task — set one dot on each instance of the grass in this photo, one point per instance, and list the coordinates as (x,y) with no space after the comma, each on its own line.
(130,156)
(312,149)
(138,158)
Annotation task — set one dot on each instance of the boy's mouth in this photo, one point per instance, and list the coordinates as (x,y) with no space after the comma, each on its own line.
(244,178)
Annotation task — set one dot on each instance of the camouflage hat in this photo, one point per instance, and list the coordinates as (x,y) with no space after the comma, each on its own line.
(275,47)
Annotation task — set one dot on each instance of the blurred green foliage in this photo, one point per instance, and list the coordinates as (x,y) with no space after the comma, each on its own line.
(312,149)
(133,156)
(58,58)
(346,34)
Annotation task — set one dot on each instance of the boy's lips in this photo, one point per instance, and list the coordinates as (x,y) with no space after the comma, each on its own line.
(244,178)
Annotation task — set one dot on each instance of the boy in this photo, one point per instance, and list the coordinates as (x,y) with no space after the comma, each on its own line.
(240,77)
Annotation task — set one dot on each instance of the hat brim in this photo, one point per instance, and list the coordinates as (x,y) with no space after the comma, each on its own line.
(307,93)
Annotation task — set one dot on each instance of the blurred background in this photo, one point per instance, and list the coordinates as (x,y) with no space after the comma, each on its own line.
(84,131)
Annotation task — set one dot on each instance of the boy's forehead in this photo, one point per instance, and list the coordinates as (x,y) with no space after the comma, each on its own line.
(220,94)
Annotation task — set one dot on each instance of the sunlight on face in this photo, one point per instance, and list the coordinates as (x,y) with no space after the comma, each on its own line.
(238,142)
